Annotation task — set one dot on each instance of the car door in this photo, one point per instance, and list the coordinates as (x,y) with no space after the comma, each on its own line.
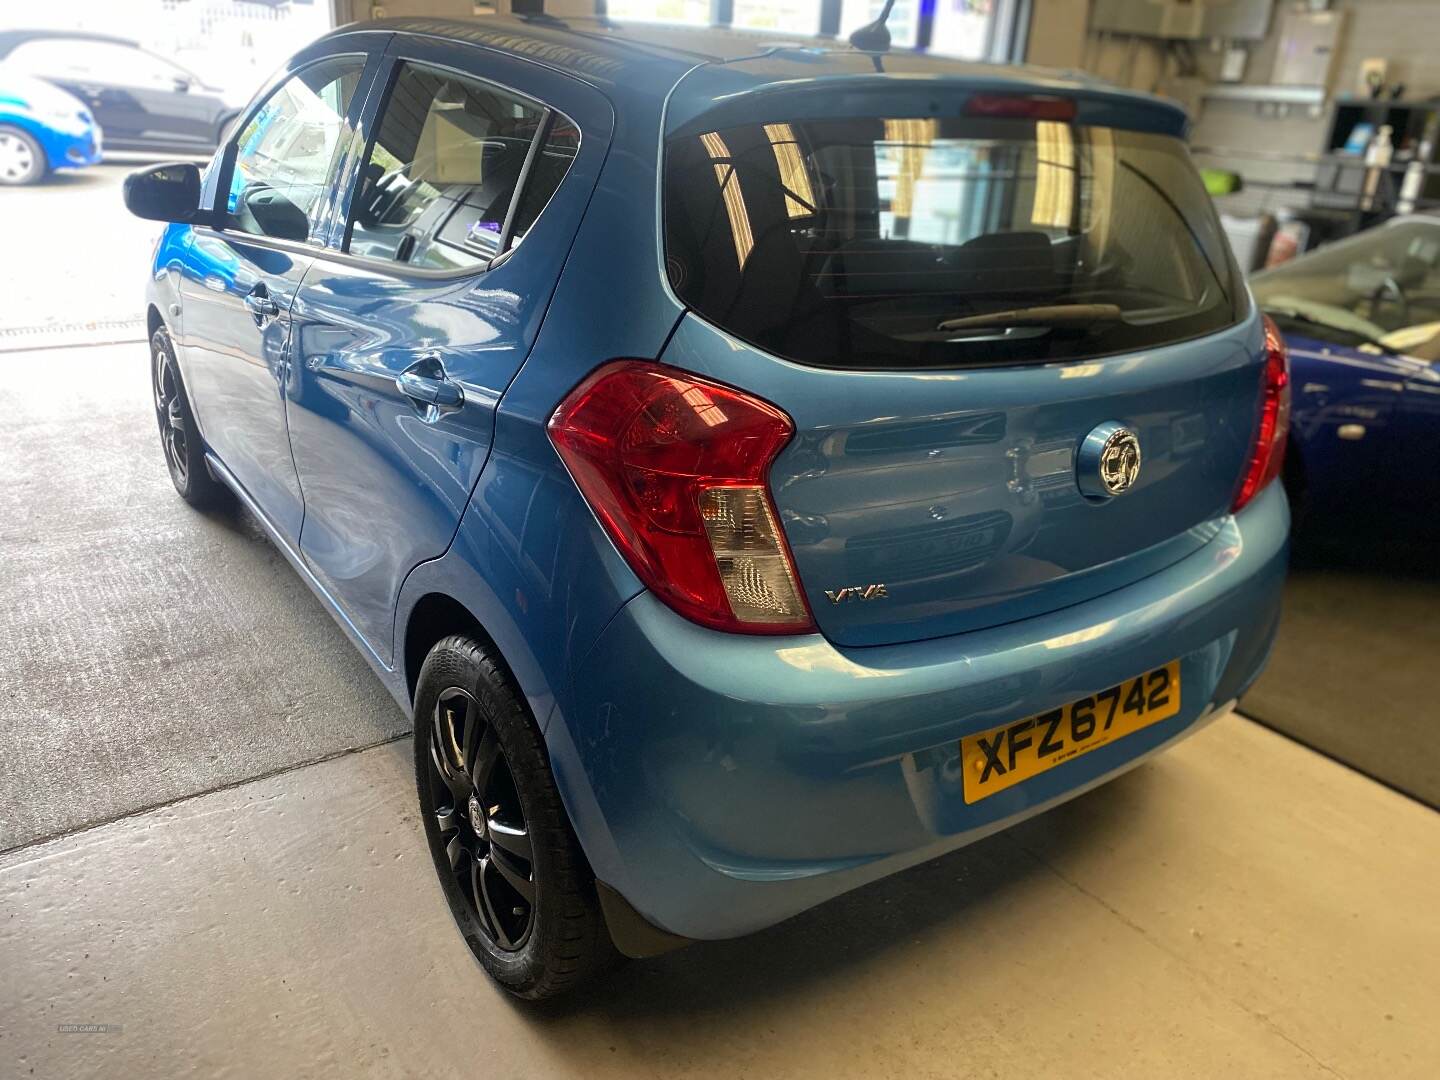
(176,109)
(1343,411)
(1418,449)
(408,333)
(237,282)
(130,92)
(87,70)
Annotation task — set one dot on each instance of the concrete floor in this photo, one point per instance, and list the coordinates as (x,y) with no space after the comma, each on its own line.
(1350,674)
(151,652)
(188,855)
(45,228)
(1238,907)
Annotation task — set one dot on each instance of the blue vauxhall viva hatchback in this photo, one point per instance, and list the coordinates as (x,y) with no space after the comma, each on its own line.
(757,467)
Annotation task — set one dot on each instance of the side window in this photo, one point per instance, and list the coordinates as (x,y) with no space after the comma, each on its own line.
(286,154)
(57,57)
(442,172)
(100,61)
(557,154)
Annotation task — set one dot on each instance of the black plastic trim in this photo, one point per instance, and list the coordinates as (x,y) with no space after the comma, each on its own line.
(632,933)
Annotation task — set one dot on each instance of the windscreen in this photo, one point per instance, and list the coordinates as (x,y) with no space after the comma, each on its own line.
(1381,287)
(945,242)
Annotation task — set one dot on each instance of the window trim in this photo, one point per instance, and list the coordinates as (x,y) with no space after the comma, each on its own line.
(542,133)
(502,255)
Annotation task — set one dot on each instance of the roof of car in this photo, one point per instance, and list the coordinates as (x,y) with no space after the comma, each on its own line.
(651,58)
(10,39)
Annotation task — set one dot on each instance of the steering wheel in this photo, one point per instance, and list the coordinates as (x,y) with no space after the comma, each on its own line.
(1396,292)
(377,200)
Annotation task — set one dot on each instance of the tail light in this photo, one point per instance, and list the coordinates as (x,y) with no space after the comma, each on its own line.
(1020,107)
(675,468)
(1267,455)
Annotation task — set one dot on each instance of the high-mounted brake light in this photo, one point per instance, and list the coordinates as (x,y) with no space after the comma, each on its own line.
(1020,107)
(1267,454)
(675,468)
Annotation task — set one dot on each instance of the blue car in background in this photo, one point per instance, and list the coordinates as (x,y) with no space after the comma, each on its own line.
(1362,320)
(42,128)
(758,468)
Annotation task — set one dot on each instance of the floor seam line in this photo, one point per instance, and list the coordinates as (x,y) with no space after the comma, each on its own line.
(230,786)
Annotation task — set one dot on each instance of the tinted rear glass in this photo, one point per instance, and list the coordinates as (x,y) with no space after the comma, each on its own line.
(857,243)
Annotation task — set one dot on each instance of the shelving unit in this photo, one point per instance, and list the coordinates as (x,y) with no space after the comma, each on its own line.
(1340,176)
(1260,95)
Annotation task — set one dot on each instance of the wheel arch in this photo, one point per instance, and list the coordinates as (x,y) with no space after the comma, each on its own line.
(433,617)
(153,321)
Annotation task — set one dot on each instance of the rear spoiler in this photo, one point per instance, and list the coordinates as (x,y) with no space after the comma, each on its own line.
(914,95)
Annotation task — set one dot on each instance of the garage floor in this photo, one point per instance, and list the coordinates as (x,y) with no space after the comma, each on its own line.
(191,860)
(1238,907)
(152,652)
(1352,671)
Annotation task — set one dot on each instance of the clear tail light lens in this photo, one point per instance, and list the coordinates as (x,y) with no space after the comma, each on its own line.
(675,468)
(1267,455)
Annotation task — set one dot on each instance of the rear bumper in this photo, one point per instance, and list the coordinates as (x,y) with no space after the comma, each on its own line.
(722,783)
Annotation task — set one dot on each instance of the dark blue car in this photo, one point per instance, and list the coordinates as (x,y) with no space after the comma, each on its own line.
(42,129)
(1362,320)
(757,468)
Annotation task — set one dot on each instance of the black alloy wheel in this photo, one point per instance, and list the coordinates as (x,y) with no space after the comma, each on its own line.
(517,884)
(179,437)
(480,820)
(170,413)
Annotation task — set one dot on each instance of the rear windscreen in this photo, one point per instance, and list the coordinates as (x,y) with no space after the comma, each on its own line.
(945,242)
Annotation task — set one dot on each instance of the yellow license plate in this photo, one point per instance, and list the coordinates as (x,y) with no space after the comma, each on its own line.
(1001,757)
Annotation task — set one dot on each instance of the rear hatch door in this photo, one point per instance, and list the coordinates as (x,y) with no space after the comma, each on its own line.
(950,299)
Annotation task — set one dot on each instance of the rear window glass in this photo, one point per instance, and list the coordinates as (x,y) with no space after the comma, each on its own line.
(945,242)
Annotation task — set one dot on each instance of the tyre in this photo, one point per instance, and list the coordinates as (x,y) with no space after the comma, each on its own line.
(179,437)
(22,160)
(511,868)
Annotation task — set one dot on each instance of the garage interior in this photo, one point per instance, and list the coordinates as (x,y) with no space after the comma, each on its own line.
(211,861)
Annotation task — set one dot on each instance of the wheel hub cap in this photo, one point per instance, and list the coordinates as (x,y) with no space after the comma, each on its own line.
(170,412)
(15,158)
(482,840)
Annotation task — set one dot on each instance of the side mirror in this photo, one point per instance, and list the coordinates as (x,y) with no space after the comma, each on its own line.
(182,84)
(169,192)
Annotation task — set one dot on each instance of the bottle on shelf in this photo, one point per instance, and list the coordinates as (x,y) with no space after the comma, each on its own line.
(1377,160)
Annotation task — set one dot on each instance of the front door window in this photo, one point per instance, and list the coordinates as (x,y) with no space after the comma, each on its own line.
(287,152)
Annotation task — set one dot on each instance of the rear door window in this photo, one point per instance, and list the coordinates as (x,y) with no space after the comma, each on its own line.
(945,242)
(439,186)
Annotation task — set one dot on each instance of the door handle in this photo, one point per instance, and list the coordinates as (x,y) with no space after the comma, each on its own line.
(260,304)
(427,384)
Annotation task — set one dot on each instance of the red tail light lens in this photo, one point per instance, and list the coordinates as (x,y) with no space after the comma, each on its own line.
(1020,106)
(675,468)
(1267,455)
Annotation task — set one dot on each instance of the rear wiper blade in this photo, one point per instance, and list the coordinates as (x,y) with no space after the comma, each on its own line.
(1051,315)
